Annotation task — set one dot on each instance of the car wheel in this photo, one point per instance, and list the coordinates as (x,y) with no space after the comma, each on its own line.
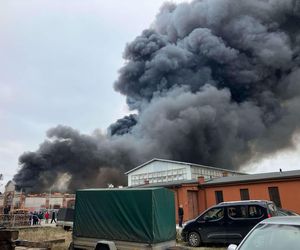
(194,239)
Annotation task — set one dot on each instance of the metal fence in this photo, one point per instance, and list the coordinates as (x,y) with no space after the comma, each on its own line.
(17,220)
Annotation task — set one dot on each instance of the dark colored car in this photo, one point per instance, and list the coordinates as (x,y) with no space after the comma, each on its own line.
(65,218)
(227,222)
(286,212)
(277,233)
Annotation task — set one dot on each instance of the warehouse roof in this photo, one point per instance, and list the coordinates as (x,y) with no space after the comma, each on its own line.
(183,163)
(254,177)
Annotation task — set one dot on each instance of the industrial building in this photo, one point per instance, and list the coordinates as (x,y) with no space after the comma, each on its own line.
(206,186)
(196,187)
(13,199)
(163,171)
(279,187)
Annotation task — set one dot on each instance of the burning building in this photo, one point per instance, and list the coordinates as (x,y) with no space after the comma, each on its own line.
(13,199)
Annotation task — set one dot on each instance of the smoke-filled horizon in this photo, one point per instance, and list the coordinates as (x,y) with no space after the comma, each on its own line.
(214,82)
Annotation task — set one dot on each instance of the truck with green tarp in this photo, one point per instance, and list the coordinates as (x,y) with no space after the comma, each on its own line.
(127,218)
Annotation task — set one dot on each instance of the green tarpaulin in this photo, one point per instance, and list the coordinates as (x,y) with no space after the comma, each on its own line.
(137,215)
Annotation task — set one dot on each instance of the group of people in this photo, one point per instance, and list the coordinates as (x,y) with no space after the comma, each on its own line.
(36,218)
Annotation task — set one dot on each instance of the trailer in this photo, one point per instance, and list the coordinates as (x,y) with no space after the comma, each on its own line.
(124,219)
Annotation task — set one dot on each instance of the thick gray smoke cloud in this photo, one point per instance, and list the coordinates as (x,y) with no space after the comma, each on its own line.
(213,82)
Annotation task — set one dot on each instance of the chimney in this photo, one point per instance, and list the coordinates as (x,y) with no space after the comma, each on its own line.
(201,180)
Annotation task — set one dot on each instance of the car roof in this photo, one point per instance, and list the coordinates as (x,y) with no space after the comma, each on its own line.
(282,220)
(244,202)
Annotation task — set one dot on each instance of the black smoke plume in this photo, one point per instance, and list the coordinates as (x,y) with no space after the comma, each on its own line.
(123,126)
(214,82)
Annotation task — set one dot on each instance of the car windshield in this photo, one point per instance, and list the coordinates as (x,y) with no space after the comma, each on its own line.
(273,237)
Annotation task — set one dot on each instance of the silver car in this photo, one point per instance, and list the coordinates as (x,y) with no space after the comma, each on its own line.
(276,233)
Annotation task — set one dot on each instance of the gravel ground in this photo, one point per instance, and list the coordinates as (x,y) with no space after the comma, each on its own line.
(50,233)
(40,234)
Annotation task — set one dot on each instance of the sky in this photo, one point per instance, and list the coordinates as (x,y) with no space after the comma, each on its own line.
(58,62)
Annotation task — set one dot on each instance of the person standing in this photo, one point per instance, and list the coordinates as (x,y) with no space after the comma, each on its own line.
(53,217)
(35,218)
(46,217)
(180,215)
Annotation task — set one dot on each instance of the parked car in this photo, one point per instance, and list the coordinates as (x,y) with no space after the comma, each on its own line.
(286,212)
(227,222)
(277,233)
(65,218)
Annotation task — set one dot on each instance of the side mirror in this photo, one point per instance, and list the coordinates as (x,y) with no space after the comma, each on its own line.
(232,247)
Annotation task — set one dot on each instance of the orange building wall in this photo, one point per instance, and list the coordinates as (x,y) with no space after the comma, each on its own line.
(289,191)
(181,197)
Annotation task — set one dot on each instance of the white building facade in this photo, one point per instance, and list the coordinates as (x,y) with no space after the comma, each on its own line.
(162,171)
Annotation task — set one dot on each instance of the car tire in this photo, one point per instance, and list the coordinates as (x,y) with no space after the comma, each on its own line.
(194,239)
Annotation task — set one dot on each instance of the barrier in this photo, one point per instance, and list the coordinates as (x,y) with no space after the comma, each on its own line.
(17,220)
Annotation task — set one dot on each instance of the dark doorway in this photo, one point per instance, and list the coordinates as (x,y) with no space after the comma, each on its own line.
(193,204)
(274,196)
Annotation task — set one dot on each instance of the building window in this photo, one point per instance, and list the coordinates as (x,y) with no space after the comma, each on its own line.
(219,196)
(244,194)
(274,196)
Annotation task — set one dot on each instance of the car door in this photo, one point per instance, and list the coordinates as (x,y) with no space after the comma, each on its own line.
(256,214)
(211,226)
(240,220)
(236,223)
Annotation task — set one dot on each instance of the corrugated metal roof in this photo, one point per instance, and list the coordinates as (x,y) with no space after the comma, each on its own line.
(254,177)
(184,163)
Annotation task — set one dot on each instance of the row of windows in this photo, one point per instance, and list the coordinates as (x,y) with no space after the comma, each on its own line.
(210,173)
(234,212)
(171,172)
(160,176)
(244,193)
(159,179)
